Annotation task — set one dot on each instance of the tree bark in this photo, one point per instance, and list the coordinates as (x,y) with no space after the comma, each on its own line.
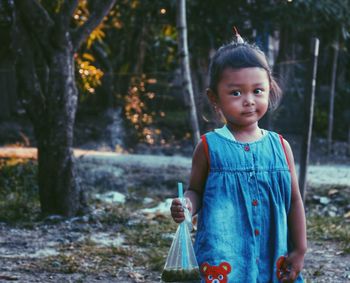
(45,47)
(8,93)
(59,188)
(348,149)
(185,66)
(331,98)
(8,97)
(141,52)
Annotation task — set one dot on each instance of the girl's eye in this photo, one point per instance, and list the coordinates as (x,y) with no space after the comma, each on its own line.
(258,91)
(236,93)
(220,277)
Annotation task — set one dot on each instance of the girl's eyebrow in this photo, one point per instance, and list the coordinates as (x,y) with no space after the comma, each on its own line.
(239,85)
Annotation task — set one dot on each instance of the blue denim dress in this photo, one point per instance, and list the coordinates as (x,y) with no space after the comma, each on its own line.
(243,218)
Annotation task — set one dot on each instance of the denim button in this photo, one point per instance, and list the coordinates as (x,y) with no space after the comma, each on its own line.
(255,202)
(247,148)
(257,232)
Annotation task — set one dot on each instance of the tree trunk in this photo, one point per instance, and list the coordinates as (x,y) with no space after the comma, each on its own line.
(185,67)
(53,121)
(141,52)
(348,151)
(60,192)
(331,98)
(45,47)
(309,115)
(59,189)
(8,96)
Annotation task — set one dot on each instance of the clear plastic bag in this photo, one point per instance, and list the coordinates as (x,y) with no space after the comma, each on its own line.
(181,264)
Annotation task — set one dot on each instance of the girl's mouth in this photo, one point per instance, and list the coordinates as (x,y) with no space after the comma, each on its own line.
(248,113)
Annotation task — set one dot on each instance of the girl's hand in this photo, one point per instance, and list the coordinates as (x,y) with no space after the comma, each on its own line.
(177,210)
(293,264)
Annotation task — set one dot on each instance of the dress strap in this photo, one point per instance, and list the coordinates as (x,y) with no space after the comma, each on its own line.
(206,149)
(284,149)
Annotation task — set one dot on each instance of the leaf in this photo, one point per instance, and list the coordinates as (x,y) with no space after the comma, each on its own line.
(89,57)
(138,277)
(347,215)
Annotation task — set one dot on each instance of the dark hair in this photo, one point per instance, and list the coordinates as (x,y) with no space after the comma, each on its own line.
(242,55)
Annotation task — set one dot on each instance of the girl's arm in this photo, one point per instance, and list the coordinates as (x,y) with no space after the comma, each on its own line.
(198,178)
(296,223)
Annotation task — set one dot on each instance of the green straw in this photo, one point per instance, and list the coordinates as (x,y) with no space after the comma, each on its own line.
(182,230)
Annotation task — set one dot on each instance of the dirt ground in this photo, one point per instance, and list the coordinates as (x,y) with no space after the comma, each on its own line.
(107,245)
(23,250)
(117,242)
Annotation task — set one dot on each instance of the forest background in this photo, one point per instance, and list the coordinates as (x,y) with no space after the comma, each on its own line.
(130,62)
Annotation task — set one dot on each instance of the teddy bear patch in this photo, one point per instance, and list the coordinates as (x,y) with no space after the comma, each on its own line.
(216,274)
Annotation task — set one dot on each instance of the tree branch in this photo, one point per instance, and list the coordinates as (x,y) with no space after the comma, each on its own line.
(37,20)
(66,13)
(62,18)
(80,34)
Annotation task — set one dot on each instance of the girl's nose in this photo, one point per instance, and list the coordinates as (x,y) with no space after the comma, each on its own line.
(249,100)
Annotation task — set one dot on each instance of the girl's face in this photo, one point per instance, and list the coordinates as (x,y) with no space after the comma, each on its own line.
(242,96)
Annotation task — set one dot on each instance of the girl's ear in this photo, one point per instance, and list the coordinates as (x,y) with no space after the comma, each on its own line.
(212,96)
(214,100)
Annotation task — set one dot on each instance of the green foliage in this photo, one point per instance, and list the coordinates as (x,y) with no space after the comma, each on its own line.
(52,6)
(320,121)
(334,15)
(18,190)
(89,76)
(150,112)
(313,17)
(150,22)
(140,40)
(341,113)
(136,108)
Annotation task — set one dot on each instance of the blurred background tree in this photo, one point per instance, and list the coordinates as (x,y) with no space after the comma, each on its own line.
(145,64)
(44,41)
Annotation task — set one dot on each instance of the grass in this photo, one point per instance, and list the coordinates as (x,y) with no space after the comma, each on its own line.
(330,229)
(86,257)
(19,192)
(146,244)
(112,214)
(153,241)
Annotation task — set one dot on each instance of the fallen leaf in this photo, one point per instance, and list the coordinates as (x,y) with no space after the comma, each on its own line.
(347,215)
(333,192)
(138,277)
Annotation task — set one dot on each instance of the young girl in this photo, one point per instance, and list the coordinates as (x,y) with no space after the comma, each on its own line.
(243,183)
